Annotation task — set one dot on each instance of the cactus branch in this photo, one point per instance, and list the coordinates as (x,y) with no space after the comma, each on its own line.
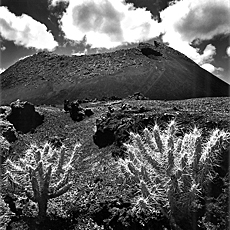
(61,191)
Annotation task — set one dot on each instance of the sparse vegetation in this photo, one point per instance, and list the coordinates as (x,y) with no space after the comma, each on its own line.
(42,174)
(173,173)
(99,197)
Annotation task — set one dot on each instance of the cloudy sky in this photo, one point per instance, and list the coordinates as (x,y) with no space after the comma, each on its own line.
(198,28)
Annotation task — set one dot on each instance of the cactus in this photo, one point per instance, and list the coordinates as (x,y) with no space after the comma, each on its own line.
(171,172)
(43,174)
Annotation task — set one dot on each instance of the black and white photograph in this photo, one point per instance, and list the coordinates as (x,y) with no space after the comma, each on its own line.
(114,114)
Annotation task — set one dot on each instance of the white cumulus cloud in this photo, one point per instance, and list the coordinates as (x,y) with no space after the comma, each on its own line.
(25,31)
(207,56)
(198,19)
(2,70)
(212,69)
(228,51)
(107,23)
(187,20)
(209,67)
(85,52)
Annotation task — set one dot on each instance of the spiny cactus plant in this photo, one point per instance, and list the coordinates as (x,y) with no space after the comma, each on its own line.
(172,172)
(43,173)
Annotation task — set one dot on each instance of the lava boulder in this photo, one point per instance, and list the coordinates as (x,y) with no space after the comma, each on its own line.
(24,117)
(78,113)
(88,112)
(8,131)
(115,128)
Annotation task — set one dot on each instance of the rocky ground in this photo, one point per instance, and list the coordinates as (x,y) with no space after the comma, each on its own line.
(99,198)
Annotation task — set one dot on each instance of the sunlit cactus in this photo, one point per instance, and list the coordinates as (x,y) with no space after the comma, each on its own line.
(171,172)
(43,174)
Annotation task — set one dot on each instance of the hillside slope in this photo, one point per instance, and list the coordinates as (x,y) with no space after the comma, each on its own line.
(157,71)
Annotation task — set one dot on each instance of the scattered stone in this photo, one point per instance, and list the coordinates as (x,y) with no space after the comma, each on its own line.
(156,43)
(116,128)
(67,106)
(111,109)
(138,96)
(8,131)
(76,111)
(112,98)
(175,108)
(89,112)
(2,110)
(24,117)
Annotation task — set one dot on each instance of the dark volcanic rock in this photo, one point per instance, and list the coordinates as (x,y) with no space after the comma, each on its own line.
(105,134)
(76,111)
(67,106)
(24,117)
(88,112)
(138,96)
(116,127)
(8,131)
(149,51)
(2,110)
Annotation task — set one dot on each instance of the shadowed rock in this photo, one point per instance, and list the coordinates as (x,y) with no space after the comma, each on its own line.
(24,117)
(89,112)
(8,131)
(2,110)
(149,51)
(76,111)
(116,127)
